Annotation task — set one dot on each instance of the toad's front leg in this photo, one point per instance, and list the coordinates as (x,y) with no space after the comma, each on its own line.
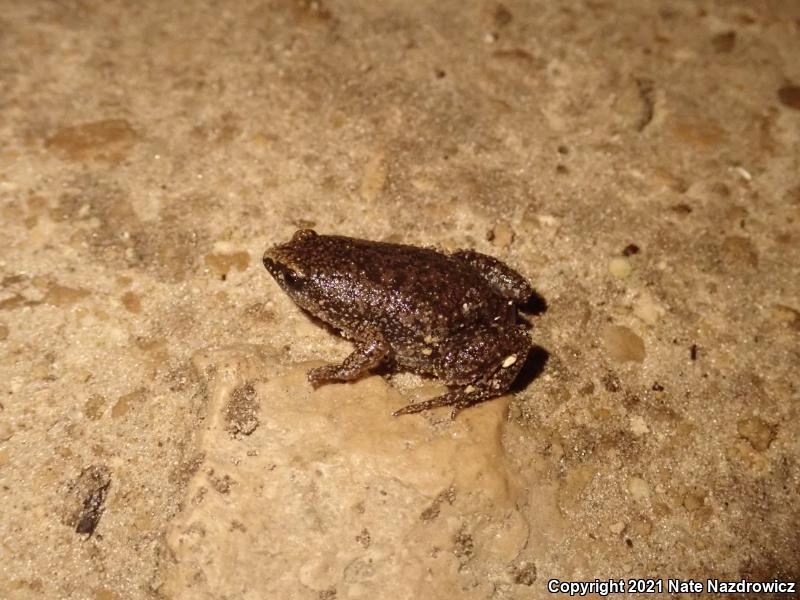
(366,356)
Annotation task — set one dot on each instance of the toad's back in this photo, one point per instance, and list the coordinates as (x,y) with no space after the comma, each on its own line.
(404,291)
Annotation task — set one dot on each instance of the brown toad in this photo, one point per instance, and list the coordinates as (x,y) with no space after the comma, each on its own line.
(452,316)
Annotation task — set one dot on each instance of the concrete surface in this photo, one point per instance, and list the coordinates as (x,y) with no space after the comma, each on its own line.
(638,161)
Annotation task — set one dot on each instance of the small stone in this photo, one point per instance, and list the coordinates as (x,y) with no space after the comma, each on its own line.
(374,178)
(724,42)
(524,573)
(125,402)
(742,451)
(670,180)
(501,235)
(105,594)
(743,173)
(60,295)
(423,184)
(681,208)
(241,412)
(740,250)
(131,302)
(758,432)
(622,344)
(620,267)
(120,408)
(87,496)
(789,96)
(110,140)
(693,500)
(611,382)
(699,134)
(638,488)
(221,264)
(648,310)
(602,413)
(638,425)
(502,16)
(617,528)
(94,407)
(792,195)
(220,483)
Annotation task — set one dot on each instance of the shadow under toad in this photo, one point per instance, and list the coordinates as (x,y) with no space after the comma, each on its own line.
(531,368)
(535,305)
(537,356)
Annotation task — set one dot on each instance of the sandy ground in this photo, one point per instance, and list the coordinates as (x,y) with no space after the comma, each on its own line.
(639,162)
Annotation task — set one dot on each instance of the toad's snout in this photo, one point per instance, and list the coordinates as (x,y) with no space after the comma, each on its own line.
(268,261)
(276,258)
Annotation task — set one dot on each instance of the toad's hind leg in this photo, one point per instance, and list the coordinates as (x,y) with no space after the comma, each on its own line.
(509,356)
(459,399)
(505,280)
(366,356)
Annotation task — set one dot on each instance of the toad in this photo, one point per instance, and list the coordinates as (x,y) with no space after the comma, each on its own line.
(453,316)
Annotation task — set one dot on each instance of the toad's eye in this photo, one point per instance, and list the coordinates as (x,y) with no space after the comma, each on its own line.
(292,279)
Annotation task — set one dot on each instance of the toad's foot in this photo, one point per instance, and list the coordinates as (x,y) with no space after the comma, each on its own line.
(364,358)
(459,399)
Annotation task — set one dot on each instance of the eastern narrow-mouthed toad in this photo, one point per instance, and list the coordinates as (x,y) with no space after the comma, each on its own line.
(452,316)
